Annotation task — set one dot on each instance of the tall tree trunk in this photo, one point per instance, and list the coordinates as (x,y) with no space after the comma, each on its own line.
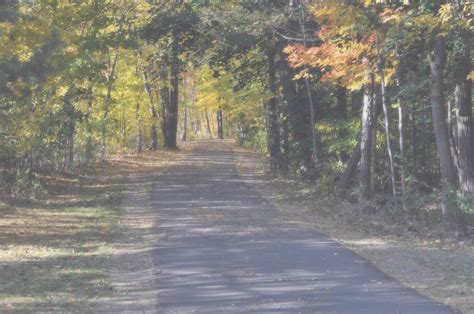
(401,125)
(88,154)
(452,141)
(220,125)
(208,124)
(465,128)
(108,100)
(154,131)
(299,125)
(185,112)
(314,140)
(272,115)
(139,143)
(184,137)
(153,112)
(344,180)
(165,100)
(341,105)
(373,148)
(366,140)
(448,171)
(172,112)
(172,117)
(285,140)
(380,65)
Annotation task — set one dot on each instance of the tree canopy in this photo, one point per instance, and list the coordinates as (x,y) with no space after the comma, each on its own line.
(325,89)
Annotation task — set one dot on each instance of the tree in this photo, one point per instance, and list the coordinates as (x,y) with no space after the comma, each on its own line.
(448,171)
(463,95)
(173,29)
(366,142)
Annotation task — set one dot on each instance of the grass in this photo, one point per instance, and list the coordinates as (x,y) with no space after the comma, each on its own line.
(53,255)
(55,251)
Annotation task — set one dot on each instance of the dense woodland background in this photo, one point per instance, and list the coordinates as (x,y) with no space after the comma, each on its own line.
(369,100)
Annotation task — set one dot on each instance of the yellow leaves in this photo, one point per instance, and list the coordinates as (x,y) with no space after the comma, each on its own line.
(302,74)
(471,75)
(390,74)
(62,91)
(446,14)
(390,15)
(340,19)
(21,38)
(217,93)
(213,92)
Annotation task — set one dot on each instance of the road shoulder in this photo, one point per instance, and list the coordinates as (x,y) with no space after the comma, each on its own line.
(131,270)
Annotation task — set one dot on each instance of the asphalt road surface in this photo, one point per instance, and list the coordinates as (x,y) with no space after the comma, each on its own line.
(224,249)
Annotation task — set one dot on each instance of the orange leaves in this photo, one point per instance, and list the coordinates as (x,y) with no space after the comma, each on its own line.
(297,55)
(347,47)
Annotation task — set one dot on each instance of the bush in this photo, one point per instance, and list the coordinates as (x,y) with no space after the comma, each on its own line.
(465,203)
(258,142)
(27,185)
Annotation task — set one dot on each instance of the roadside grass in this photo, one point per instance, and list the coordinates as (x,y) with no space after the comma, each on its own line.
(55,251)
(440,268)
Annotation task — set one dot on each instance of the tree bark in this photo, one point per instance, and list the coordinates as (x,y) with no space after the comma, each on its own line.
(185,112)
(272,115)
(153,113)
(448,171)
(108,99)
(208,124)
(220,126)
(401,125)
(165,100)
(373,148)
(344,180)
(139,144)
(314,140)
(341,105)
(380,62)
(88,154)
(366,140)
(285,153)
(172,112)
(299,125)
(154,132)
(465,129)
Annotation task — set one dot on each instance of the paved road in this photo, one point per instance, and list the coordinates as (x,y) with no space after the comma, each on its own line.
(224,249)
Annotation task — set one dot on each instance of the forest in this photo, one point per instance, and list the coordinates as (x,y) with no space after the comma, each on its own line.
(368,100)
